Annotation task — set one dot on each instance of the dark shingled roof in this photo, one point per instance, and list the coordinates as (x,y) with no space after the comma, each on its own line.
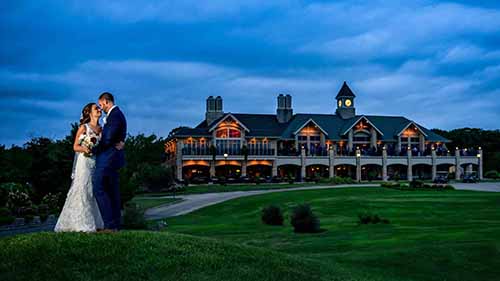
(267,125)
(345,91)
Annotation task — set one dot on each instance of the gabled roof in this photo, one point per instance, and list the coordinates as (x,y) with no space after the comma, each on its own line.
(356,120)
(307,122)
(345,91)
(409,124)
(330,123)
(226,116)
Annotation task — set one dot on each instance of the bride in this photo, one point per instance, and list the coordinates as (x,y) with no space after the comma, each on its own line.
(80,211)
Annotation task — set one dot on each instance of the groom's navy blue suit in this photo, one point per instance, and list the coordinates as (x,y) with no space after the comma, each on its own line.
(108,161)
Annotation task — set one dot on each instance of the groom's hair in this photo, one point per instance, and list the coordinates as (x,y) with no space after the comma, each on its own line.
(107,96)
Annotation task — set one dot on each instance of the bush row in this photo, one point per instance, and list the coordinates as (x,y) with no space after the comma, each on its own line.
(493,174)
(16,202)
(416,184)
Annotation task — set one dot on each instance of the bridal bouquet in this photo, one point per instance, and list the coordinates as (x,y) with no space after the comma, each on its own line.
(88,141)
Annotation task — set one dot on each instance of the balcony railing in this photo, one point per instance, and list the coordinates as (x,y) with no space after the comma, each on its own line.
(205,150)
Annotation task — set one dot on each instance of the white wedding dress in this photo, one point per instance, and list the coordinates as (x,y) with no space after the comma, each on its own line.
(81,212)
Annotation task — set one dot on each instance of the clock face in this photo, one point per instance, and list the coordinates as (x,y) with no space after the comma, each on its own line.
(340,103)
(348,103)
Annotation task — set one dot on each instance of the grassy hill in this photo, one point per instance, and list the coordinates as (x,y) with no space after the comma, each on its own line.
(432,235)
(136,255)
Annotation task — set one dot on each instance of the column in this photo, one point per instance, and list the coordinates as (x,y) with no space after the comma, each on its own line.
(458,171)
(331,158)
(349,140)
(302,163)
(384,164)
(358,165)
(480,164)
(434,164)
(421,143)
(409,172)
(398,145)
(178,161)
(373,137)
(275,168)
(243,168)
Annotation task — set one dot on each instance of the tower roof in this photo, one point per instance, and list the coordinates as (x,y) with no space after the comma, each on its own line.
(345,91)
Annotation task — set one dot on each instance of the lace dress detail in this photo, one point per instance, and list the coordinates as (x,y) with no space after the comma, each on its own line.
(80,211)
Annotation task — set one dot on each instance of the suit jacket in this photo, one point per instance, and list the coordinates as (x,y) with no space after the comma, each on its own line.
(114,131)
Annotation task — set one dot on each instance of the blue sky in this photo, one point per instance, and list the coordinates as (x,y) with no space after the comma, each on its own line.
(435,62)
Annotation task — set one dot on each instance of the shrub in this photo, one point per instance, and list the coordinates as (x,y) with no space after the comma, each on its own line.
(369,218)
(14,186)
(303,219)
(272,215)
(390,184)
(222,180)
(17,200)
(133,217)
(338,180)
(52,202)
(6,216)
(153,177)
(257,180)
(493,174)
(27,213)
(4,195)
(348,180)
(43,211)
(416,184)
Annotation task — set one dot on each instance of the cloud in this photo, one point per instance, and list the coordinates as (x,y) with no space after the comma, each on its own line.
(431,61)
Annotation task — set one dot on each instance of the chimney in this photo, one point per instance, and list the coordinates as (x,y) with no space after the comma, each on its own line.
(214,109)
(284,111)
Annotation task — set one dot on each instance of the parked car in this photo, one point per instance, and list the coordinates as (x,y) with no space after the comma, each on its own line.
(469,179)
(441,179)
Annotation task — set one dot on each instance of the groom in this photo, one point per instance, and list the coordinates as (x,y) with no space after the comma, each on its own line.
(108,161)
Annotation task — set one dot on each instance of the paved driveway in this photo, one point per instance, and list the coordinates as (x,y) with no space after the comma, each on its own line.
(482,186)
(194,202)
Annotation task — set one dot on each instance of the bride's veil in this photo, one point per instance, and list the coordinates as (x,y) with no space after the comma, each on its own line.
(74,166)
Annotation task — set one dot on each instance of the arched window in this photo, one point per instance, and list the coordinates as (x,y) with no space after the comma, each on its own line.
(361,137)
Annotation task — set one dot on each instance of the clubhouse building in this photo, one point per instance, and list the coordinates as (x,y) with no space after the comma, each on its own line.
(309,145)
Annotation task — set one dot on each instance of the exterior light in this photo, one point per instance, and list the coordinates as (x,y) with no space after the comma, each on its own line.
(432,147)
(478,155)
(384,148)
(358,154)
(225,155)
(456,148)
(479,148)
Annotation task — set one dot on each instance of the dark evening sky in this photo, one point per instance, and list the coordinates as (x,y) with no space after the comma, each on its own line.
(437,63)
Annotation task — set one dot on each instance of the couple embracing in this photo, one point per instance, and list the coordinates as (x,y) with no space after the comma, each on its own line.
(93,202)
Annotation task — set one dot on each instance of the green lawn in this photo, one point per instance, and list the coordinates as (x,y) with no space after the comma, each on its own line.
(131,256)
(147,203)
(433,235)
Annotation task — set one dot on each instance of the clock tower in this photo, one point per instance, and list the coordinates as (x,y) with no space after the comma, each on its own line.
(345,102)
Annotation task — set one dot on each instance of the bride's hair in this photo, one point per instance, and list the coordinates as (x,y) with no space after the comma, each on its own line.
(85,118)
